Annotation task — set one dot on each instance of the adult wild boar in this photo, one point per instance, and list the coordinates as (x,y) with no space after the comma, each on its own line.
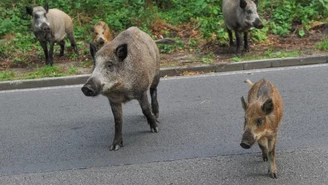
(101,34)
(125,69)
(240,16)
(51,25)
(263,114)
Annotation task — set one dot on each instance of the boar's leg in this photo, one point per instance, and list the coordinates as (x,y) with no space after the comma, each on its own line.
(73,44)
(117,112)
(238,41)
(51,51)
(153,95)
(144,104)
(263,144)
(246,48)
(45,50)
(272,157)
(62,47)
(230,38)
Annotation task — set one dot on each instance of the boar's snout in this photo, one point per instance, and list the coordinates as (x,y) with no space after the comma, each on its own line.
(91,88)
(258,24)
(45,27)
(88,91)
(248,140)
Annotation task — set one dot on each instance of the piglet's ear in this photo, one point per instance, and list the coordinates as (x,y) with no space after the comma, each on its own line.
(243,103)
(121,52)
(29,10)
(46,7)
(243,4)
(267,107)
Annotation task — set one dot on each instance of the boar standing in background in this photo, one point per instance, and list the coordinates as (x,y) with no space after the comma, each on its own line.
(240,16)
(51,25)
(263,114)
(101,34)
(125,69)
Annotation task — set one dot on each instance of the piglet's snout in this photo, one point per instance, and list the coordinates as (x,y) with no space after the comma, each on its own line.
(247,140)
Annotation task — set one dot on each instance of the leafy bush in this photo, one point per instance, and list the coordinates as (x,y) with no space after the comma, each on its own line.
(205,16)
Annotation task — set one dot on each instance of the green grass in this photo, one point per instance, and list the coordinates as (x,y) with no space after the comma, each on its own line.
(40,72)
(7,75)
(267,55)
(323,45)
(46,71)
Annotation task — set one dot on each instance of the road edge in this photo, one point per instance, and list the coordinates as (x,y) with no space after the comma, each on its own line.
(173,71)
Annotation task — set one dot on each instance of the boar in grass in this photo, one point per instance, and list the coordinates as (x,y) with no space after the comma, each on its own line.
(101,34)
(240,16)
(125,69)
(263,114)
(51,25)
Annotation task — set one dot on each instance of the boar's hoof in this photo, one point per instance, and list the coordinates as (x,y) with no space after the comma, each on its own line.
(155,129)
(273,175)
(245,145)
(115,147)
(265,157)
(117,144)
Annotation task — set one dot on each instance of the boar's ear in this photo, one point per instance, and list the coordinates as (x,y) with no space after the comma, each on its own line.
(256,2)
(29,10)
(93,51)
(121,52)
(243,4)
(243,103)
(267,107)
(104,27)
(46,7)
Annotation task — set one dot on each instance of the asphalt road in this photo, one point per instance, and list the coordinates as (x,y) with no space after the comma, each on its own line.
(59,136)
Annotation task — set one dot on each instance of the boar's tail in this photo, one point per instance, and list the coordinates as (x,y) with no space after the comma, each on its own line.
(249,82)
(165,41)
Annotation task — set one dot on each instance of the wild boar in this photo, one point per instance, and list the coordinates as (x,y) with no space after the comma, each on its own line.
(125,69)
(263,114)
(51,25)
(101,34)
(240,16)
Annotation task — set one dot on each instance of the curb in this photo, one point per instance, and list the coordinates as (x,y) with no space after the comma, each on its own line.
(174,71)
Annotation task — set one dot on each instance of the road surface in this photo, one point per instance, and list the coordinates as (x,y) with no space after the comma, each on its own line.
(59,136)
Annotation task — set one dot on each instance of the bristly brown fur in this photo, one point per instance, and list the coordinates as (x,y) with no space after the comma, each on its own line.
(263,114)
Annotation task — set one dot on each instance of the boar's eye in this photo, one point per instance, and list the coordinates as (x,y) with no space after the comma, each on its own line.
(109,65)
(259,121)
(102,32)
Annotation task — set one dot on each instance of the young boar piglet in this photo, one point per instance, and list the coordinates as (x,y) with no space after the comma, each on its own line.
(125,69)
(101,34)
(240,16)
(263,114)
(51,25)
